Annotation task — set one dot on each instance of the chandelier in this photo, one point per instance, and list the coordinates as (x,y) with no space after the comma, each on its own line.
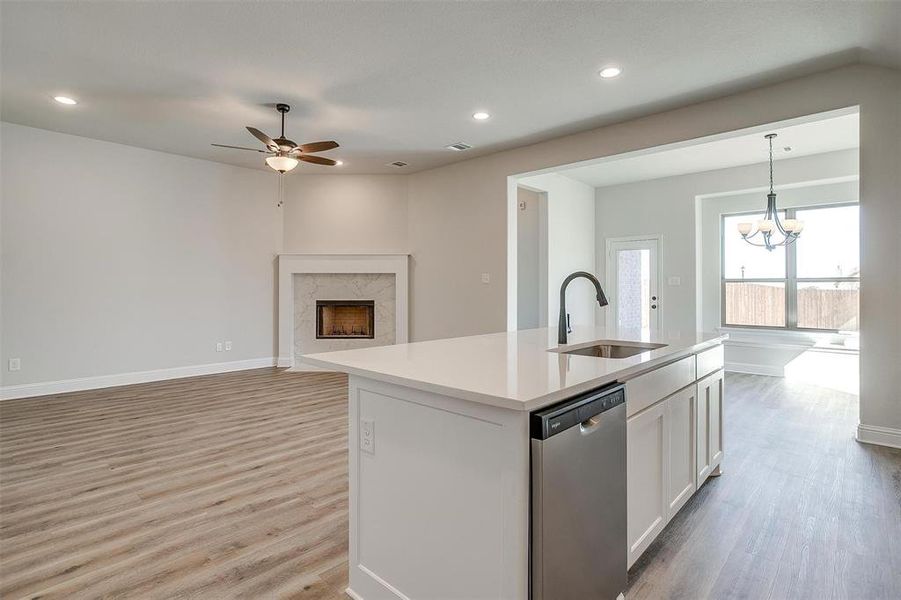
(772,231)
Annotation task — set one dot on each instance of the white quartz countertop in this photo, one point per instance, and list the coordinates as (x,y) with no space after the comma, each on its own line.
(514,369)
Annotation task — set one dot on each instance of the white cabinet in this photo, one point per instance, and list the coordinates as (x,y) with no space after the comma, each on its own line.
(709,425)
(646,465)
(673,443)
(660,466)
(680,421)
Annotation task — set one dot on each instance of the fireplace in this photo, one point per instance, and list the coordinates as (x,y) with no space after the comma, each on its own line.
(345,319)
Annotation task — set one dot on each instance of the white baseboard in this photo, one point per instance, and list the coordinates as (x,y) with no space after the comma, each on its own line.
(300,366)
(28,390)
(756,369)
(881,436)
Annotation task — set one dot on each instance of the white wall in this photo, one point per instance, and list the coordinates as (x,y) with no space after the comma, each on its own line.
(117,259)
(345,214)
(666,206)
(451,247)
(529,257)
(570,245)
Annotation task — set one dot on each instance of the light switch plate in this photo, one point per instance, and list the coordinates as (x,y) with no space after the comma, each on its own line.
(218,346)
(367,436)
(228,346)
(486,277)
(674,281)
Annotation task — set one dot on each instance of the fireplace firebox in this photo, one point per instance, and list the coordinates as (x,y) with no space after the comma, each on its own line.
(345,319)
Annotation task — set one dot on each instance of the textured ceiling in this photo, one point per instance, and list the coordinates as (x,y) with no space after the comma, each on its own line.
(398,81)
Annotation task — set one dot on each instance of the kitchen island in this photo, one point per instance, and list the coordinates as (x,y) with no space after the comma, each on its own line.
(439,449)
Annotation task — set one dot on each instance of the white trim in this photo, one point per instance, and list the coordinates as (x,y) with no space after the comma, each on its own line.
(292,264)
(512,255)
(755,369)
(881,436)
(765,344)
(28,390)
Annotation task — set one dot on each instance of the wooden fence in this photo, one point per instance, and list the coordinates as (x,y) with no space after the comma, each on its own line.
(818,308)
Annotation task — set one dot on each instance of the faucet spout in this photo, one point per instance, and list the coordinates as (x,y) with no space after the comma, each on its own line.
(601,298)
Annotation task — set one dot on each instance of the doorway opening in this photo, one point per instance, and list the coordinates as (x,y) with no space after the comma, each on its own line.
(659,227)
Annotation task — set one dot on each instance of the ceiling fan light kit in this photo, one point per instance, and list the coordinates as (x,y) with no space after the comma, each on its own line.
(283,153)
(770,225)
(282,163)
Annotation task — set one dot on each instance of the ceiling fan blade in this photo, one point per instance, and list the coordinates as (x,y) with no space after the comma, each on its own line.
(319,160)
(317,146)
(263,138)
(239,148)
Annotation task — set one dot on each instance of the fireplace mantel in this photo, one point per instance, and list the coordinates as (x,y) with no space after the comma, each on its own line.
(293,264)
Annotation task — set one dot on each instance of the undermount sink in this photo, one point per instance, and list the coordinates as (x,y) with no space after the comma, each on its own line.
(613,349)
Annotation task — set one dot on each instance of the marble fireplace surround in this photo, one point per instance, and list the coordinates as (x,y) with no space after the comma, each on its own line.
(290,265)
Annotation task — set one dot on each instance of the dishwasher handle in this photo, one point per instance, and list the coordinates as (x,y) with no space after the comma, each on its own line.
(590,425)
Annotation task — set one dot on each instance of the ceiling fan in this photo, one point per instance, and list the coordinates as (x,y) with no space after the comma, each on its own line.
(283,153)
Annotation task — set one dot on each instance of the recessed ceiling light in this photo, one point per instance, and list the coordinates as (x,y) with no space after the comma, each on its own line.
(481,116)
(610,72)
(338,163)
(65,100)
(787,149)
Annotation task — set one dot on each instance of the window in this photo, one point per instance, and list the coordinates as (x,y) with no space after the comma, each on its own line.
(811,284)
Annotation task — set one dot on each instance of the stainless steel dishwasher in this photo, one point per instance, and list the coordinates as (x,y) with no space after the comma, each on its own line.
(578,530)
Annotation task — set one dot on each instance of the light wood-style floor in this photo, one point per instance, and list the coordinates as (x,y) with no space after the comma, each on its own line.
(221,486)
(235,486)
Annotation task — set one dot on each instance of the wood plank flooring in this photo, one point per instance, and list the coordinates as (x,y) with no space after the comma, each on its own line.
(235,486)
(222,486)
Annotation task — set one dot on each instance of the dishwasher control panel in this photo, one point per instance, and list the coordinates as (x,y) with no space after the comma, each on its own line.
(560,417)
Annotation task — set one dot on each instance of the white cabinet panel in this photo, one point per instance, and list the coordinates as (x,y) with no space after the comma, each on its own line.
(680,423)
(645,470)
(710,361)
(710,425)
(645,390)
(715,419)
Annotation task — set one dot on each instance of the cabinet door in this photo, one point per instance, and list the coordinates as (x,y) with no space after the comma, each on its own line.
(646,448)
(681,423)
(710,424)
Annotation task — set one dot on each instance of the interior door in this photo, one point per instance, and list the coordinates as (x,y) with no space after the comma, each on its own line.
(632,279)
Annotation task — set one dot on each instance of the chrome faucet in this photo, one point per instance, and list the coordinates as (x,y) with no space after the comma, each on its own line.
(602,301)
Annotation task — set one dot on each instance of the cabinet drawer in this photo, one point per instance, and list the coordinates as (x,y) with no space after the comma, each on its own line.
(710,361)
(645,390)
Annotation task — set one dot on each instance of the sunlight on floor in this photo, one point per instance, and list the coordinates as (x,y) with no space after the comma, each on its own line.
(824,368)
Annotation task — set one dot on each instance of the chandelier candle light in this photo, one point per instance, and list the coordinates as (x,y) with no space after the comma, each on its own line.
(770,225)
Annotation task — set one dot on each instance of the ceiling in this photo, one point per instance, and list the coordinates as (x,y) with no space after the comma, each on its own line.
(814,137)
(399,81)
